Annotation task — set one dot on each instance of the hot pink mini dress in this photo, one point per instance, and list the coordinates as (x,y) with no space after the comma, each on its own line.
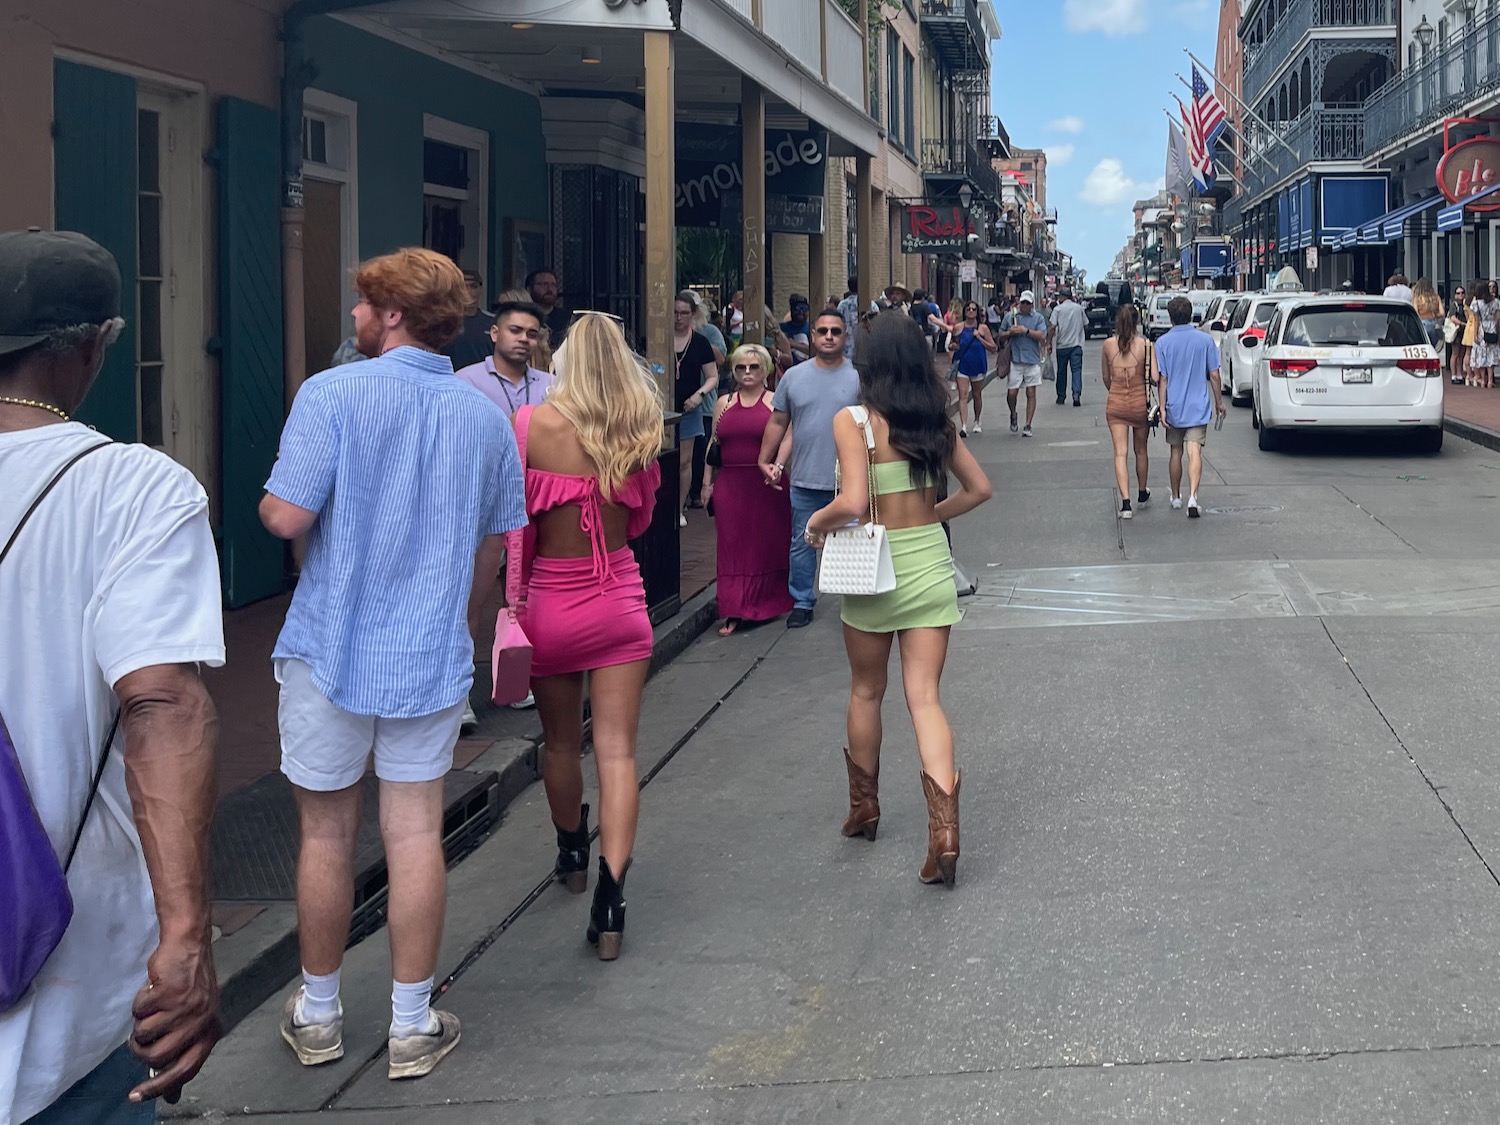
(585,613)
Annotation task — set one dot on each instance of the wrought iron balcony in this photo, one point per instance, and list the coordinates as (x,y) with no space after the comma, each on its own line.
(993,135)
(957,34)
(1451,76)
(1264,56)
(948,160)
(1321,132)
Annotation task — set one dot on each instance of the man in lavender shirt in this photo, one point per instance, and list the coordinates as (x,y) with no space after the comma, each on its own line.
(507,378)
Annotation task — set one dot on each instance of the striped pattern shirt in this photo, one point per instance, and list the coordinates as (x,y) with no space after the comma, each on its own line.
(408,469)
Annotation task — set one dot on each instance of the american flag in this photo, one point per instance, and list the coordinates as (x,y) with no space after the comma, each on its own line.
(1208,110)
(1199,157)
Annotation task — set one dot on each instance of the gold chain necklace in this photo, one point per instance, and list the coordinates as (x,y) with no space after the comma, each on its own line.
(37,405)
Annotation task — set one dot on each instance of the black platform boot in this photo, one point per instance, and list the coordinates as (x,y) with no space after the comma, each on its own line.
(573,854)
(607,918)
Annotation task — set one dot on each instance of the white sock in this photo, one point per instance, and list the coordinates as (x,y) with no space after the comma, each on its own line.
(320,997)
(411,1012)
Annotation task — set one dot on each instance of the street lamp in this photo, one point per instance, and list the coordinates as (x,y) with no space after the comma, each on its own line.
(1424,33)
(965,198)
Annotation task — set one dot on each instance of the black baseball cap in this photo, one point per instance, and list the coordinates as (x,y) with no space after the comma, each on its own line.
(51,280)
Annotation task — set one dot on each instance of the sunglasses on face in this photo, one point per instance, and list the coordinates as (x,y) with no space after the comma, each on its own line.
(741,368)
(828,331)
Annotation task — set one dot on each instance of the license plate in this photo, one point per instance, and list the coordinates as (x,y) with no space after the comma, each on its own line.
(1357,375)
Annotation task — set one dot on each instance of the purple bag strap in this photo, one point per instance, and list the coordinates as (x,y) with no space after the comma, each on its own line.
(113,726)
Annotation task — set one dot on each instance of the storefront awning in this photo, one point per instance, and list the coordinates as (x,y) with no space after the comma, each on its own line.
(1452,217)
(1385,227)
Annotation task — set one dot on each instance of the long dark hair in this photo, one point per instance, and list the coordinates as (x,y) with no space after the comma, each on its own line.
(1125,328)
(898,381)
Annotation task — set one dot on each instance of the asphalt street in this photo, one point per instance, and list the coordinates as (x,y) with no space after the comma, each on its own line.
(1230,825)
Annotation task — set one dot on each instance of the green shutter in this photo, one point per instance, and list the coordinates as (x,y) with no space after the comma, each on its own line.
(250,355)
(94,160)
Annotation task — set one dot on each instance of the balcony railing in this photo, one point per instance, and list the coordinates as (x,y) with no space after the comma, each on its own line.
(1456,73)
(992,132)
(957,34)
(961,159)
(1262,60)
(1321,132)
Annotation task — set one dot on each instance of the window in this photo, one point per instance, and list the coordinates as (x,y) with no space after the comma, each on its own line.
(909,111)
(893,82)
(455,192)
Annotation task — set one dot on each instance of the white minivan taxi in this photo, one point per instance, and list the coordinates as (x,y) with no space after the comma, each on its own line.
(1347,363)
(1158,320)
(1236,360)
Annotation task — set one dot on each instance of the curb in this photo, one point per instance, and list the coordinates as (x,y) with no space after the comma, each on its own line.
(1471,431)
(255,963)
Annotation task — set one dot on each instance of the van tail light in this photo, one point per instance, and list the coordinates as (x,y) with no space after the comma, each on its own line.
(1429,368)
(1291,368)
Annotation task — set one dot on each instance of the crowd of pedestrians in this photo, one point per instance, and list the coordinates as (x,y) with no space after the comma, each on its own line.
(416,479)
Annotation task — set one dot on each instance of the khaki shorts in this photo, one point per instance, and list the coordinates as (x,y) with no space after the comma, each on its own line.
(1024,375)
(1191,433)
(325,749)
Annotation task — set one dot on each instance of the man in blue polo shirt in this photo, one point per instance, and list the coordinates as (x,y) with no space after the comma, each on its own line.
(1187,362)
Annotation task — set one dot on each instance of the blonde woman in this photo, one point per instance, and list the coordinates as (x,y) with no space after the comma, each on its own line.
(752,519)
(591,478)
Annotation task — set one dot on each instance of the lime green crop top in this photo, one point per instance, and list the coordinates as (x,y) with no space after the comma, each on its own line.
(891,476)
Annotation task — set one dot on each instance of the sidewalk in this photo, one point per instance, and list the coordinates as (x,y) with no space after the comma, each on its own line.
(1474,414)
(255,832)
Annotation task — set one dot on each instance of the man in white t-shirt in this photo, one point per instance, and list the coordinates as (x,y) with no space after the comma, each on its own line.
(1398,287)
(110,598)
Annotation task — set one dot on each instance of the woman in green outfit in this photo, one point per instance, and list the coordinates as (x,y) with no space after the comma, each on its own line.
(915,446)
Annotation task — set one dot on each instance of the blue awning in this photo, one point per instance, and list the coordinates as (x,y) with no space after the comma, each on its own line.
(1385,227)
(1452,217)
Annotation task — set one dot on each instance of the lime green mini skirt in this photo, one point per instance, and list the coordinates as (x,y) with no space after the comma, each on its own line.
(925,596)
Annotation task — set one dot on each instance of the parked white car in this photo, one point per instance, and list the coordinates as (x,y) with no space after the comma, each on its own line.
(1346,363)
(1158,320)
(1216,323)
(1236,360)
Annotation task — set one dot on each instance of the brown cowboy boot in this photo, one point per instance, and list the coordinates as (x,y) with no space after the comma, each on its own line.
(864,804)
(942,832)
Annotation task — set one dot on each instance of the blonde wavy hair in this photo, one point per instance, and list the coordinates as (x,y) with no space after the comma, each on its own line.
(541,355)
(611,399)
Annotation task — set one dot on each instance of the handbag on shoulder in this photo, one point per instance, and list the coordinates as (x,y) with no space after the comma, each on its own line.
(857,560)
(1153,395)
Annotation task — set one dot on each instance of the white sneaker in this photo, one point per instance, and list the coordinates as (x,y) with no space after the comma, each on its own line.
(528,702)
(977,428)
(681,519)
(1177,501)
(1193,511)
(314,1043)
(1026,432)
(470,720)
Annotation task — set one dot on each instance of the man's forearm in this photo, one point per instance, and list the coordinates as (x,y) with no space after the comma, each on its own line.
(775,430)
(171,738)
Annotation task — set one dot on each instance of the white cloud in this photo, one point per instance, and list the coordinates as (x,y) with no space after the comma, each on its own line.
(1108,185)
(1066,125)
(1058,155)
(1112,17)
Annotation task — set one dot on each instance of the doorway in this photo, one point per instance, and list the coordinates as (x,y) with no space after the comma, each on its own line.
(329,246)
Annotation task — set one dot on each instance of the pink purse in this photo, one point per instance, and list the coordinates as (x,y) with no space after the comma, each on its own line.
(510,664)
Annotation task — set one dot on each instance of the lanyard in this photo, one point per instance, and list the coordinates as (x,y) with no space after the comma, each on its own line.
(505,390)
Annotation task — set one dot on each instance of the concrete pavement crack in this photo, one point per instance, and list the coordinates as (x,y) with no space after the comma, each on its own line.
(1376,518)
(1309,1056)
(1436,791)
(478,949)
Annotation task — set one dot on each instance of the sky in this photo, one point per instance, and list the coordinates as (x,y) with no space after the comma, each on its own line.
(1087,80)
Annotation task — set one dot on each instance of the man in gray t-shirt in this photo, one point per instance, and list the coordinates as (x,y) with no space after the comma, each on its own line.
(808,398)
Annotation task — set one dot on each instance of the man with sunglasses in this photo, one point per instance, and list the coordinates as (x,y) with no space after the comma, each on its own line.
(808,398)
(794,328)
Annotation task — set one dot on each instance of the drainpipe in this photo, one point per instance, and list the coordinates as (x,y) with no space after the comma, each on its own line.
(297,74)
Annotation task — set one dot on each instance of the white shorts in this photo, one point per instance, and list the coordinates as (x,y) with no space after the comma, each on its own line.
(1024,375)
(324,748)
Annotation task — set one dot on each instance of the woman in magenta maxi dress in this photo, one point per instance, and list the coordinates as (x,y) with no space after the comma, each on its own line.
(752,519)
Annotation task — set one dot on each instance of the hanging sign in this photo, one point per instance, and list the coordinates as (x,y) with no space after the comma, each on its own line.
(933,230)
(1470,166)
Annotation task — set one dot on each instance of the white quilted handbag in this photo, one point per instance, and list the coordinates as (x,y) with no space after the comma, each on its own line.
(857,560)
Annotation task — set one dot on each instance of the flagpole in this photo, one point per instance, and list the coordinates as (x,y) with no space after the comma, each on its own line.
(1246,109)
(1217,170)
(1249,148)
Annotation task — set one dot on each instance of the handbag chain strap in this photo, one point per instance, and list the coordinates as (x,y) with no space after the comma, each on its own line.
(862,419)
(114,725)
(515,541)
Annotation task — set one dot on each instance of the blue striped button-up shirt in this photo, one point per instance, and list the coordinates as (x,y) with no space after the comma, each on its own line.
(407,468)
